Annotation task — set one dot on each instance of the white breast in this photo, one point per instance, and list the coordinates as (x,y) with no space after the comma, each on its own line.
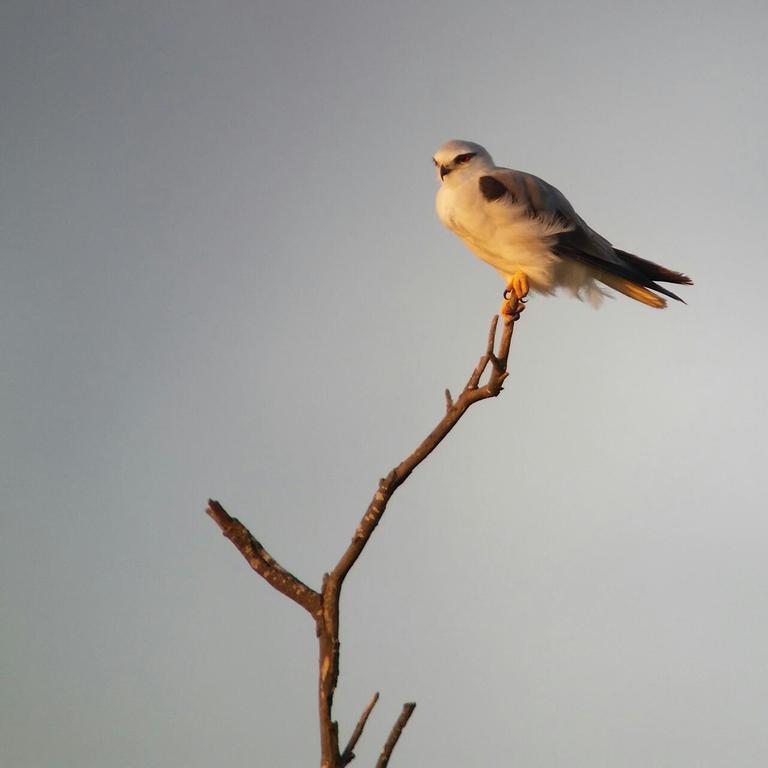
(498,232)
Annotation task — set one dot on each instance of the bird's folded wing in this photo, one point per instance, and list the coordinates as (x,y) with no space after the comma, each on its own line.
(547,204)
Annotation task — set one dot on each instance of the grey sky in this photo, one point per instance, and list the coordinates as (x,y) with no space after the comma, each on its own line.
(222,276)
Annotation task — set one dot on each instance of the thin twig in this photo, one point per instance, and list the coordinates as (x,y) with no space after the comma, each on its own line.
(472,393)
(348,755)
(394,734)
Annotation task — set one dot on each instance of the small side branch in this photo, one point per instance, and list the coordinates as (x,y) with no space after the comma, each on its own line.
(262,562)
(394,734)
(348,755)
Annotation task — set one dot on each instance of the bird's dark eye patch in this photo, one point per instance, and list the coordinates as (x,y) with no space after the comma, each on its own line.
(464,158)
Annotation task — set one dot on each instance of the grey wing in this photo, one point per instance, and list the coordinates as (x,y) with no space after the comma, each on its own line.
(549,205)
(572,237)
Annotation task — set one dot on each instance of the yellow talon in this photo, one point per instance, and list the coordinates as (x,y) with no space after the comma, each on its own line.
(519,285)
(511,308)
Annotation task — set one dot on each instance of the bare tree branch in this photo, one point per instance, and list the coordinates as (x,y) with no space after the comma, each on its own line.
(328,624)
(348,755)
(262,562)
(471,394)
(394,734)
(324,606)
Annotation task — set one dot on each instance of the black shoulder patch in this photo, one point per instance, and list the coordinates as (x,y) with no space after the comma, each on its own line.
(492,189)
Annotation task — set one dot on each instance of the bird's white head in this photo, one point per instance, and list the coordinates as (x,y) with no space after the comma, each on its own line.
(457,157)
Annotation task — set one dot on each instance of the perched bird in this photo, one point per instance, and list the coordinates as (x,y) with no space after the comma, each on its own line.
(528,231)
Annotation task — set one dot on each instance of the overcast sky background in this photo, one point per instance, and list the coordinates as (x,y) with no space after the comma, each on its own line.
(222,275)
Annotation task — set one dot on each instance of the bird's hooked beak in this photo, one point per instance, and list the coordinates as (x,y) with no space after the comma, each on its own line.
(444,172)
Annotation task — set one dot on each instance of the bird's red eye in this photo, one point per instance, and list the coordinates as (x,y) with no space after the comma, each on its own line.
(464,158)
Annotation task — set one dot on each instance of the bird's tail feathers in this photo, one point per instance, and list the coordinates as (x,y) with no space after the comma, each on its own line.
(635,291)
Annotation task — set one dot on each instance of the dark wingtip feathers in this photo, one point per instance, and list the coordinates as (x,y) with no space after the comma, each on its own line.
(654,271)
(666,292)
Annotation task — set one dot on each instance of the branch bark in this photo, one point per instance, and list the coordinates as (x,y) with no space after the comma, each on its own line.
(262,562)
(324,606)
(348,755)
(394,734)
